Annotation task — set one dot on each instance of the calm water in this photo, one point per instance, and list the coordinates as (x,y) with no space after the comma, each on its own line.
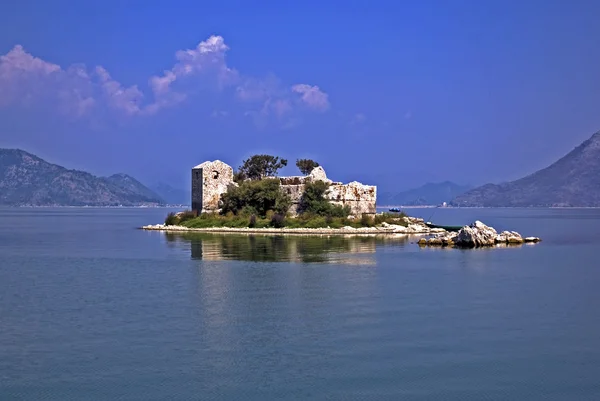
(92,309)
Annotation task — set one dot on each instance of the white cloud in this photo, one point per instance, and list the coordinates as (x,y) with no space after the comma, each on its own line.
(17,62)
(127,100)
(273,98)
(268,94)
(256,89)
(26,79)
(208,58)
(160,85)
(312,96)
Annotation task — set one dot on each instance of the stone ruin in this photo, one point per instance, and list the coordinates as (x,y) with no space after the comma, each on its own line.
(211,179)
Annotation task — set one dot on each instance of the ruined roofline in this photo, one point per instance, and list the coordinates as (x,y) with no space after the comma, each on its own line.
(208,163)
(317,174)
(211,179)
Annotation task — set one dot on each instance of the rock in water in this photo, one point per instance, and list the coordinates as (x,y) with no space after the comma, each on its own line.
(509,237)
(475,235)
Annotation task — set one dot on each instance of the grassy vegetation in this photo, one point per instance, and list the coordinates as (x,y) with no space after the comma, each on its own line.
(274,220)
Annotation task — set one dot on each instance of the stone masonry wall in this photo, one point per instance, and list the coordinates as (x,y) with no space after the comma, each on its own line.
(211,179)
(360,198)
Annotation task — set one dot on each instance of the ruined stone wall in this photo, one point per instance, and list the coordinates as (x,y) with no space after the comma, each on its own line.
(209,181)
(360,198)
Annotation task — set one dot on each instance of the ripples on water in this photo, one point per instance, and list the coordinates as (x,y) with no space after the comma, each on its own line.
(92,309)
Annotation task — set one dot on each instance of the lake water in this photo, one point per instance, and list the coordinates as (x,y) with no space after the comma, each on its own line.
(93,309)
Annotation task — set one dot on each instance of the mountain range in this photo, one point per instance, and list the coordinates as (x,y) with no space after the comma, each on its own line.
(572,181)
(27,180)
(426,195)
(171,195)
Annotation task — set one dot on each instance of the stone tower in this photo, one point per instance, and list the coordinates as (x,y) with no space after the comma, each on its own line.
(209,181)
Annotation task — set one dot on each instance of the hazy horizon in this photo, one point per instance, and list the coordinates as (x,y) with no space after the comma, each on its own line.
(395,95)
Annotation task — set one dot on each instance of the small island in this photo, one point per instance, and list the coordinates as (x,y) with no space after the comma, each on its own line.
(254,199)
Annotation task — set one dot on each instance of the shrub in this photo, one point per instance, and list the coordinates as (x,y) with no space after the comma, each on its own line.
(187,215)
(339,211)
(278,220)
(239,177)
(366,220)
(282,203)
(315,222)
(171,219)
(247,211)
(252,222)
(255,197)
(391,218)
(313,198)
(313,201)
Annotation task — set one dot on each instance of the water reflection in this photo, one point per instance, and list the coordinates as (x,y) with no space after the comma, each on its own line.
(355,250)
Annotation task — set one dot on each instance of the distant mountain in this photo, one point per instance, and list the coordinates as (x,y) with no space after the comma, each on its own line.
(27,180)
(428,194)
(173,196)
(130,184)
(573,181)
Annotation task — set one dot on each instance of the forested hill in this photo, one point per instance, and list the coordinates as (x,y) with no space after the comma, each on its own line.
(572,181)
(27,180)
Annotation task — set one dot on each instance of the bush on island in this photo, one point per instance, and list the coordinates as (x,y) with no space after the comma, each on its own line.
(255,197)
(313,201)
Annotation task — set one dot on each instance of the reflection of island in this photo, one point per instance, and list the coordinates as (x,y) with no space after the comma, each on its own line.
(279,248)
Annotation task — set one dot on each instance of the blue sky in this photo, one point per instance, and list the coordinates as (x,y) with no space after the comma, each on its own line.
(391,93)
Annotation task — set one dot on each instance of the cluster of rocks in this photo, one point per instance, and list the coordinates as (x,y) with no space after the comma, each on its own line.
(476,235)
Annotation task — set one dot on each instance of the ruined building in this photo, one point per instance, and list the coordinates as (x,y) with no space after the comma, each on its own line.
(211,179)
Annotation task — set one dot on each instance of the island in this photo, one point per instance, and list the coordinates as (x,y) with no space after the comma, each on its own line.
(254,199)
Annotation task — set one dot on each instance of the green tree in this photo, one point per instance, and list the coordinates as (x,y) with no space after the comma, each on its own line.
(306,165)
(239,177)
(255,197)
(258,167)
(313,201)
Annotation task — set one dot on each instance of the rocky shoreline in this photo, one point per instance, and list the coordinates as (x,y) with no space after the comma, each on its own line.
(472,236)
(414,226)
